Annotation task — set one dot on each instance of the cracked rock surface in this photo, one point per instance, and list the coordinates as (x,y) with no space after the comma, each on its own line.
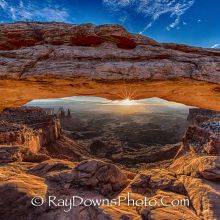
(42,60)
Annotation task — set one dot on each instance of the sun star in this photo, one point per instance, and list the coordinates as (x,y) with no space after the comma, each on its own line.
(127,102)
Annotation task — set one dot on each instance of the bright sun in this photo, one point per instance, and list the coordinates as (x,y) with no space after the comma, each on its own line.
(127,102)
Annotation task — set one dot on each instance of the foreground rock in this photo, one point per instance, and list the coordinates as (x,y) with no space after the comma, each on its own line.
(42,60)
(16,191)
(19,189)
(204,196)
(207,167)
(53,165)
(10,154)
(166,210)
(106,178)
(149,182)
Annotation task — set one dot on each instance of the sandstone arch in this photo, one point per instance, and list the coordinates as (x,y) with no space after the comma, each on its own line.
(45,60)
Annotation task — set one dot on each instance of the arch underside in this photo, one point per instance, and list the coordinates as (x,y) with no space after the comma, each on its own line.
(189,92)
(52,60)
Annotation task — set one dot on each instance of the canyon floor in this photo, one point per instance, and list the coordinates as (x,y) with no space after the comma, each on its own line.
(45,162)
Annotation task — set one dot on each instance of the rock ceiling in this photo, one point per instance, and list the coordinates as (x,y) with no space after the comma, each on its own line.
(45,60)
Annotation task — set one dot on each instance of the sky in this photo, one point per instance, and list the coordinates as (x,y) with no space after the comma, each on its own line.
(193,22)
(93,100)
(98,104)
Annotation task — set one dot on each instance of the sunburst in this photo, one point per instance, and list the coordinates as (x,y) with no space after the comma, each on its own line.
(127,94)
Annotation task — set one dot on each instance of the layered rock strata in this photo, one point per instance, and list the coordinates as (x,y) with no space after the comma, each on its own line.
(203,135)
(18,188)
(27,129)
(42,60)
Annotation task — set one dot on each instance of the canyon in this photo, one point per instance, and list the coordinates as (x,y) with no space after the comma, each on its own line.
(192,173)
(38,159)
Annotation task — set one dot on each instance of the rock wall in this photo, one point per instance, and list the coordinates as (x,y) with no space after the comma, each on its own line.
(193,174)
(203,135)
(30,128)
(197,164)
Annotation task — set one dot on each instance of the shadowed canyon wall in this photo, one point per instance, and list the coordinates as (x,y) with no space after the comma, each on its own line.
(46,60)
(26,130)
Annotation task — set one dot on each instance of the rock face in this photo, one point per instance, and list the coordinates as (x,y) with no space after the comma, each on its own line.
(51,166)
(26,130)
(106,178)
(149,182)
(203,135)
(71,48)
(105,149)
(18,188)
(198,116)
(56,59)
(9,154)
(193,175)
(197,164)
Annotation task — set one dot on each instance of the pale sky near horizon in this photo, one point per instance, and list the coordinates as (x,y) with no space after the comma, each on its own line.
(104,101)
(102,105)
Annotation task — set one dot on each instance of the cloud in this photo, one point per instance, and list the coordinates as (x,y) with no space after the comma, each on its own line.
(3,4)
(153,9)
(116,4)
(123,19)
(28,10)
(215,46)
